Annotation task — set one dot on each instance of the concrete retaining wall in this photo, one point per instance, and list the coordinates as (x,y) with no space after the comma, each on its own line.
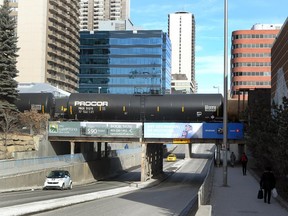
(80,172)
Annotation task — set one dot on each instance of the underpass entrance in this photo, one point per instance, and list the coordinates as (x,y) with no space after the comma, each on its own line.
(151,137)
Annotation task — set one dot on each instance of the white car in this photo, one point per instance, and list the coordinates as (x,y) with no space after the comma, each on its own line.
(58,179)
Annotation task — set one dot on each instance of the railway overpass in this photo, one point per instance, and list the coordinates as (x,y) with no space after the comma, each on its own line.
(151,137)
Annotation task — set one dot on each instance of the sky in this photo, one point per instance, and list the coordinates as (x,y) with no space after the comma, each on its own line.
(209,21)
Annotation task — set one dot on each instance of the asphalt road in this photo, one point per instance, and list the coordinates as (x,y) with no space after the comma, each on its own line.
(168,198)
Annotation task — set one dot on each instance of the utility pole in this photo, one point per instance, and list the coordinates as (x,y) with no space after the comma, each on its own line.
(225,92)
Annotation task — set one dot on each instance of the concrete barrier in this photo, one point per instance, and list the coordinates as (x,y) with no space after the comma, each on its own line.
(204,193)
(204,210)
(81,173)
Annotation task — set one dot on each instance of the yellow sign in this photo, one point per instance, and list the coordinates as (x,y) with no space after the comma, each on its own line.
(181,141)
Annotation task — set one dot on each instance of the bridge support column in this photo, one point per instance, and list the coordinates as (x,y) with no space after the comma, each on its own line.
(188,150)
(106,149)
(218,147)
(157,167)
(72,147)
(144,163)
(99,149)
(151,160)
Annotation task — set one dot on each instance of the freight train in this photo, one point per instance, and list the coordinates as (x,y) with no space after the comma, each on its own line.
(42,102)
(128,108)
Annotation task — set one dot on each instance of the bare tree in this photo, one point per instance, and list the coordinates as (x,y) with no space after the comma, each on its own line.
(8,124)
(34,120)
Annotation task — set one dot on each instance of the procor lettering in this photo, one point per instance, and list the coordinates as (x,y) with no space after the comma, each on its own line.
(91,103)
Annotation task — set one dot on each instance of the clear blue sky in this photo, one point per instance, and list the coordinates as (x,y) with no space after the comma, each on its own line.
(209,18)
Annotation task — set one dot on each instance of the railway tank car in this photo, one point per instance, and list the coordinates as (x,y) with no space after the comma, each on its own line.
(148,108)
(42,102)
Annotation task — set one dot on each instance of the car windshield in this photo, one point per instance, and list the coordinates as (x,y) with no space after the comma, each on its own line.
(171,155)
(56,174)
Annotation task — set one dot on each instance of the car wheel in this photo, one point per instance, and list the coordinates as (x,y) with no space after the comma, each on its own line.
(70,186)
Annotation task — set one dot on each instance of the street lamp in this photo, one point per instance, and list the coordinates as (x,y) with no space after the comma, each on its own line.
(217,88)
(225,92)
(99,89)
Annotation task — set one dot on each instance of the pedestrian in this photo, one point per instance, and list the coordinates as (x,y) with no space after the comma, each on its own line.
(267,183)
(244,161)
(232,158)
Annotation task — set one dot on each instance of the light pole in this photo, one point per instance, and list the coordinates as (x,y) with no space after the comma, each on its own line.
(99,89)
(225,92)
(217,88)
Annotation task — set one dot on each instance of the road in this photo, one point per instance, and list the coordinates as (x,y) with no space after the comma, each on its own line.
(169,197)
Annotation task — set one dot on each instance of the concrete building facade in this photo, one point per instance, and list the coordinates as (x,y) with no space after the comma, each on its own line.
(105,15)
(48,38)
(181,30)
(279,67)
(251,59)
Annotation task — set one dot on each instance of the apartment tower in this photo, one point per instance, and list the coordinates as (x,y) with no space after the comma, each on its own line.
(181,30)
(104,15)
(48,38)
(251,59)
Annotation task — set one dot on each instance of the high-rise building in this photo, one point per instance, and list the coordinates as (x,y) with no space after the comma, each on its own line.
(125,62)
(105,15)
(279,67)
(48,38)
(181,30)
(251,59)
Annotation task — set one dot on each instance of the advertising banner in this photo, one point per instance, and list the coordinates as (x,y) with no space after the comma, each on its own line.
(64,129)
(173,130)
(192,131)
(215,131)
(179,132)
(111,129)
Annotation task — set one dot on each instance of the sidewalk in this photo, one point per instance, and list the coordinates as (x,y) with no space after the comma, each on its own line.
(240,196)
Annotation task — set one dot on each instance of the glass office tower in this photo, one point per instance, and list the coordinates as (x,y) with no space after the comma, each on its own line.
(125,62)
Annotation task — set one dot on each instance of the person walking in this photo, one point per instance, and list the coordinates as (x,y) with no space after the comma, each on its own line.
(267,183)
(244,161)
(232,158)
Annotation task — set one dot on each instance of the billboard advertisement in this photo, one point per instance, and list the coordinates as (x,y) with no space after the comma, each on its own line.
(192,130)
(215,131)
(179,131)
(173,130)
(95,129)
(111,129)
(64,129)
